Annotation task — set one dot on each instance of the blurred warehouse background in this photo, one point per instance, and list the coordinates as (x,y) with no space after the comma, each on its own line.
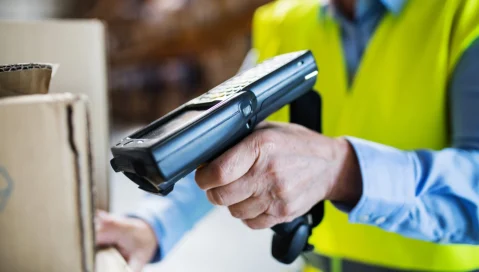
(160,52)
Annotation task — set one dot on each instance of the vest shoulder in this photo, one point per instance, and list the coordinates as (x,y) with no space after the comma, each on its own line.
(283,11)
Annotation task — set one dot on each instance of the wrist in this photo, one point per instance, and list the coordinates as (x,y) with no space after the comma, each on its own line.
(347,185)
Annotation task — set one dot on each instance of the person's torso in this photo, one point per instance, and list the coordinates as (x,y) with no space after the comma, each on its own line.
(398,98)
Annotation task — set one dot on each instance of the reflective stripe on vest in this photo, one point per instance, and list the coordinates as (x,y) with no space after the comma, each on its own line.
(398,98)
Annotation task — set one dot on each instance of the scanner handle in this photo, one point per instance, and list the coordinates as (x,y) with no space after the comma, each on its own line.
(291,238)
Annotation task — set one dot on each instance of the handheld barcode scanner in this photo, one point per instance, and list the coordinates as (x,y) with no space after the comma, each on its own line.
(158,155)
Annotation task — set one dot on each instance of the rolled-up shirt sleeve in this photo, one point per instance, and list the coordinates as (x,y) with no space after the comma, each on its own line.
(425,194)
(172,216)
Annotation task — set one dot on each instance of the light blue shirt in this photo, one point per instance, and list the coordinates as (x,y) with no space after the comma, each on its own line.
(429,195)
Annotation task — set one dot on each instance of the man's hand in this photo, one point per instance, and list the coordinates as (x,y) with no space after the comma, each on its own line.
(279,172)
(133,237)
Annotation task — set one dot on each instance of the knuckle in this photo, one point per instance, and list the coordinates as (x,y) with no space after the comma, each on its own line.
(216,196)
(267,139)
(273,169)
(218,172)
(281,189)
(237,212)
(219,197)
(285,210)
(263,206)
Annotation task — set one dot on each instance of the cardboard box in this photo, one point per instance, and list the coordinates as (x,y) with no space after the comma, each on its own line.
(78,47)
(46,218)
(46,199)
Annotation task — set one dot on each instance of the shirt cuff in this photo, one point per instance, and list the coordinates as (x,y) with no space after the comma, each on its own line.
(148,212)
(388,177)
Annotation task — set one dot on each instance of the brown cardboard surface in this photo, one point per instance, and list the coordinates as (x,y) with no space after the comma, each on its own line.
(46,212)
(78,47)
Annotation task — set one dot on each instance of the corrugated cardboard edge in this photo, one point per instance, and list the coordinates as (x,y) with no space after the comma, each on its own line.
(78,115)
(104,260)
(52,66)
(103,187)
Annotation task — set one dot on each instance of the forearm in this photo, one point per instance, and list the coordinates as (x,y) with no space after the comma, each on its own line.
(428,195)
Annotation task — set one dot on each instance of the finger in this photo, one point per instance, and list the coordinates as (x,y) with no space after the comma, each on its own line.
(135,264)
(262,221)
(263,125)
(234,192)
(230,166)
(108,229)
(269,125)
(249,208)
(124,253)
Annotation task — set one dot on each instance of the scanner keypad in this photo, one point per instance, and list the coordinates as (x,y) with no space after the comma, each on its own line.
(246,78)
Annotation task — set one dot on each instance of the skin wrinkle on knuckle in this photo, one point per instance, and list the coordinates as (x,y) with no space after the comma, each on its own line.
(285,210)
(219,172)
(214,197)
(218,195)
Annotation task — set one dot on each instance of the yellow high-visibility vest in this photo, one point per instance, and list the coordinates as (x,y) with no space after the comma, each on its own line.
(398,98)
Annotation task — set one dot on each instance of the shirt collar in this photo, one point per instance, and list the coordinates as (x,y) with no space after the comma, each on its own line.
(393,6)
